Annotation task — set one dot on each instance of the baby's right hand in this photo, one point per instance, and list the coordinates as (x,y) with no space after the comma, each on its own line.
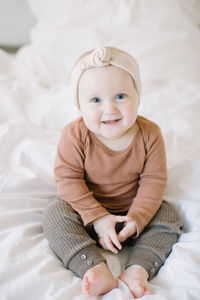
(105,229)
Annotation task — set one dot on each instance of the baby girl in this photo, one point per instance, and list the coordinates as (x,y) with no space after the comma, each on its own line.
(111,177)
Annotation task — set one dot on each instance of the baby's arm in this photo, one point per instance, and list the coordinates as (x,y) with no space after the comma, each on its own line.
(153,180)
(70,177)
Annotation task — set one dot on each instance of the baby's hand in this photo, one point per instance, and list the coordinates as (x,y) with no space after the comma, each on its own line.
(105,228)
(128,230)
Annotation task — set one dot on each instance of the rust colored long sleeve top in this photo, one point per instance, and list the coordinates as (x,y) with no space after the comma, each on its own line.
(96,180)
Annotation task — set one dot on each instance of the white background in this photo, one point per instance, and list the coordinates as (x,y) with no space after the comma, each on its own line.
(16,21)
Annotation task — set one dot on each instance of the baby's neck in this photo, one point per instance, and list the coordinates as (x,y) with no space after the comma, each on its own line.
(123,142)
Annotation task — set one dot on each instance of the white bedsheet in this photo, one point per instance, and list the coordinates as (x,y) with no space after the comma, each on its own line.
(36,102)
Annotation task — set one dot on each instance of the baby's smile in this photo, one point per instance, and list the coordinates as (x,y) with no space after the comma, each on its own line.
(111,121)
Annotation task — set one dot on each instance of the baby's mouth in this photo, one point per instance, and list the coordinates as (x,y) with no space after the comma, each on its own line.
(111,122)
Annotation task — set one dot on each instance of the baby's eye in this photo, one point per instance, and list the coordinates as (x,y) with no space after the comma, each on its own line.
(96,100)
(120,96)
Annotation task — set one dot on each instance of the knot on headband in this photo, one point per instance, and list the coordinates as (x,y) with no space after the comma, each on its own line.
(100,57)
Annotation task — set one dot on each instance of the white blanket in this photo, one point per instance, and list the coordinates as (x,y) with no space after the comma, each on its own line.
(36,102)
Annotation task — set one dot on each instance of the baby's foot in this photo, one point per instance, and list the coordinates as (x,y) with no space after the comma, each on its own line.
(136,278)
(98,280)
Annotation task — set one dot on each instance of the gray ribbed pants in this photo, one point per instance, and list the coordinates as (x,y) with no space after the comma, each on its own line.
(77,245)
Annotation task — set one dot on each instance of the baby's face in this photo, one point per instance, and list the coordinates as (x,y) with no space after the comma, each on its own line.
(108,101)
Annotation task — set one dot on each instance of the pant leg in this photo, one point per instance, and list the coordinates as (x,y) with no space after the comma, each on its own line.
(68,238)
(152,247)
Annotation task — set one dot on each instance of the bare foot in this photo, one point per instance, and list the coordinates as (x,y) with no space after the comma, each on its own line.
(98,280)
(136,278)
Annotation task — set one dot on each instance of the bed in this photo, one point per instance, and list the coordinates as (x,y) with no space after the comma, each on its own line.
(36,102)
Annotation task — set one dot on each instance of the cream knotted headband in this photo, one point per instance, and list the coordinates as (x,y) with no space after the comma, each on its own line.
(104,56)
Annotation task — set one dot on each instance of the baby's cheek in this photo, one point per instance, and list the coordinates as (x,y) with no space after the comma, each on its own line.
(132,112)
(91,122)
(130,118)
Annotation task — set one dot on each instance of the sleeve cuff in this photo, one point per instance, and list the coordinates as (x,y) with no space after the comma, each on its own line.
(89,217)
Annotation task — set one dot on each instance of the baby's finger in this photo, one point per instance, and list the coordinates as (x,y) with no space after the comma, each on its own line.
(124,233)
(128,230)
(115,240)
(102,243)
(109,244)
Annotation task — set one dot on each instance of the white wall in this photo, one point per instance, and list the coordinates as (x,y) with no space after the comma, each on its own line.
(15,22)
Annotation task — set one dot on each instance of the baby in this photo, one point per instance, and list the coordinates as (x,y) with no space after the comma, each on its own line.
(111,176)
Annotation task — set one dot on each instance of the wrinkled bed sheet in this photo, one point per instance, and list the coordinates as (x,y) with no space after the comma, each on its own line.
(36,102)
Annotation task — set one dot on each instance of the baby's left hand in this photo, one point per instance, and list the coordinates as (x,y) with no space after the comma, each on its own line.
(128,230)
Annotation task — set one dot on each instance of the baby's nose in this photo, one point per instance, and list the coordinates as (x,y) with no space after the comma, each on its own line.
(110,107)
